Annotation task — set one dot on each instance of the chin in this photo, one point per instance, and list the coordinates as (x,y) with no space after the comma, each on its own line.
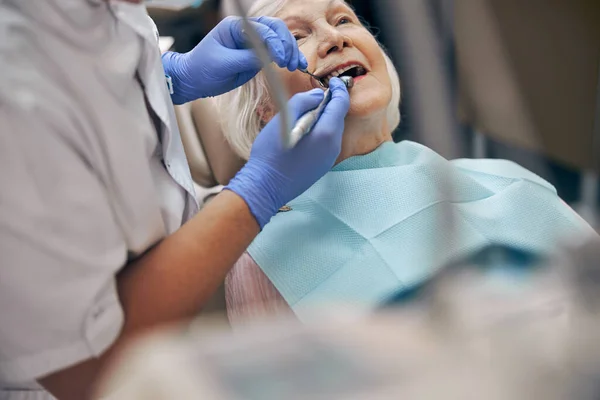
(365,106)
(367,98)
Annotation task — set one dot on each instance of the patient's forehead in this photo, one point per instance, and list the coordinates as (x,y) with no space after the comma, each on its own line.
(309,10)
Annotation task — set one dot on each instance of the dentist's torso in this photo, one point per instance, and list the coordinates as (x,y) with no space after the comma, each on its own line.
(91,72)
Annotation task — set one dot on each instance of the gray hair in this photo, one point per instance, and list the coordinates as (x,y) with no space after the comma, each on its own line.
(238,109)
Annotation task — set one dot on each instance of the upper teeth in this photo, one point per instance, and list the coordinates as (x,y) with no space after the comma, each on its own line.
(341,71)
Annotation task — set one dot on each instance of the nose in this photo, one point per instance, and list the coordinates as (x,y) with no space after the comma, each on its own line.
(331,41)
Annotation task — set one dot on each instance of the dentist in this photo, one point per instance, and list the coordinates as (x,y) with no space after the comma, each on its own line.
(100,235)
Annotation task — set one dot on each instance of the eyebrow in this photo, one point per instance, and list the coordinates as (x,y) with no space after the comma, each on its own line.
(330,4)
(292,18)
(339,4)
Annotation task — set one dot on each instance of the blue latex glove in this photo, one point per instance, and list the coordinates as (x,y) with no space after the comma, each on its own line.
(222,61)
(273,176)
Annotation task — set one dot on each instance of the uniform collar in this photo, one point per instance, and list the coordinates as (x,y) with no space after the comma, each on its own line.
(134,15)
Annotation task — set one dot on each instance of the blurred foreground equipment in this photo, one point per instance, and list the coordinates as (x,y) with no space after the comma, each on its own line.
(489,328)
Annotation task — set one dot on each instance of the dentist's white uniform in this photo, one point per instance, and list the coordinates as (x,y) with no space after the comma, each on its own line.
(89,177)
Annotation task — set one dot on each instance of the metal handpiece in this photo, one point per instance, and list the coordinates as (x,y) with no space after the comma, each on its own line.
(348,81)
(307,121)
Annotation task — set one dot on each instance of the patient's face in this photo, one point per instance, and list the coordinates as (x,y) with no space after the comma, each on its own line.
(331,37)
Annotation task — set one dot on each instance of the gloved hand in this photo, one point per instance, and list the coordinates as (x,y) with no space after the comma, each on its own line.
(273,176)
(223,61)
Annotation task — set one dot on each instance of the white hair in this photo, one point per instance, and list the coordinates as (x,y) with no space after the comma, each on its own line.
(238,110)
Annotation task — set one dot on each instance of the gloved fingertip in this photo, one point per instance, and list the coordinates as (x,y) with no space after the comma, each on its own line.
(293,65)
(316,92)
(277,52)
(302,102)
(278,60)
(336,83)
(337,86)
(302,63)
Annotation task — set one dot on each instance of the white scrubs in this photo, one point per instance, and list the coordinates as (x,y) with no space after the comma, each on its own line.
(92,174)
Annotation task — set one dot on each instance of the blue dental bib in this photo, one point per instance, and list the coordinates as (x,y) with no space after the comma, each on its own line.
(379,223)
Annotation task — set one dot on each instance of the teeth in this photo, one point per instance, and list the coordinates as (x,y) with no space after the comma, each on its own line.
(341,71)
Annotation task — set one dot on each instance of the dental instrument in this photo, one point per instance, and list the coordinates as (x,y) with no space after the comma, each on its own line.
(307,121)
(314,76)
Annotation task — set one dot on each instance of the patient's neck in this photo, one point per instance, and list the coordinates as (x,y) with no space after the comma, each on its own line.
(363,135)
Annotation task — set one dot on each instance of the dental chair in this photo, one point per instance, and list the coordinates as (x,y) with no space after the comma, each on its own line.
(212,161)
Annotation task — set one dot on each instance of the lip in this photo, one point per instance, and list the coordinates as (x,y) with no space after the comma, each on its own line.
(360,78)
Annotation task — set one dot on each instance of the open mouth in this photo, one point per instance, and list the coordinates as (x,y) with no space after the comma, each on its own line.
(352,70)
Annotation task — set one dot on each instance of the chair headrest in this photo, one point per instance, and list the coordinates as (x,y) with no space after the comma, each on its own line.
(223,161)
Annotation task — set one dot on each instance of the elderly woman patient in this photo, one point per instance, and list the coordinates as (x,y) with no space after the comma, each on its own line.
(379,221)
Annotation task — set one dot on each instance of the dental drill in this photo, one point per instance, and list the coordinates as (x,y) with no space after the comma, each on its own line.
(307,121)
(276,88)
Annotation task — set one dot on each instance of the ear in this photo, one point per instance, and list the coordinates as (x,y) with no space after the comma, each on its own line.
(265,112)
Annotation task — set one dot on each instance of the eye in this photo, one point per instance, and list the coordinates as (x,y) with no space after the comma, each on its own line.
(344,20)
(300,35)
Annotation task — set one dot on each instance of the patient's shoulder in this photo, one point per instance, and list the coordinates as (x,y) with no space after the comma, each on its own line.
(500,168)
(249,293)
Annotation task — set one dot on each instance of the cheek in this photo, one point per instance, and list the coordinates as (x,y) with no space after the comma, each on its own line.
(370,100)
(295,82)
(379,66)
(374,93)
(382,75)
(386,83)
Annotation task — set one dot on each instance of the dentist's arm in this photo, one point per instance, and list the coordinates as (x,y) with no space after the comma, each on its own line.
(175,278)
